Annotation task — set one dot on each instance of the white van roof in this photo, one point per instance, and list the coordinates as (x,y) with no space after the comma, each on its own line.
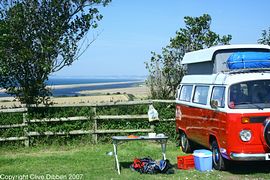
(224,78)
(205,55)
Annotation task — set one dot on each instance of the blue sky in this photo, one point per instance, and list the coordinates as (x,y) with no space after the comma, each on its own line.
(131,29)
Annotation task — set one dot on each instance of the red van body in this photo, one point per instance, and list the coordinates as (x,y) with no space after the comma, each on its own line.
(224,110)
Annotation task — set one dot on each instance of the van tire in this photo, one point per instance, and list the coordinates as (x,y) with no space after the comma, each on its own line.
(185,143)
(218,161)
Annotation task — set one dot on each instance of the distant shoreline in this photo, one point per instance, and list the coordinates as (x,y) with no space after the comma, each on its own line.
(90,84)
(67,86)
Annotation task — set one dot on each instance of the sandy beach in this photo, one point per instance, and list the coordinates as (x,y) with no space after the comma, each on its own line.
(90,84)
(90,96)
(85,85)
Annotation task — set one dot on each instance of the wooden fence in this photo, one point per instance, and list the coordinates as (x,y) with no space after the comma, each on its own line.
(94,131)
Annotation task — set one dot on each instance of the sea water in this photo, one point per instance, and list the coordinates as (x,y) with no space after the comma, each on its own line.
(74,91)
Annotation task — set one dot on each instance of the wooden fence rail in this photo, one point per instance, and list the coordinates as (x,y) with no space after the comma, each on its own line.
(94,131)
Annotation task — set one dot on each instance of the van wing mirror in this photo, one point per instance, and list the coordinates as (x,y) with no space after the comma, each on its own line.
(214,104)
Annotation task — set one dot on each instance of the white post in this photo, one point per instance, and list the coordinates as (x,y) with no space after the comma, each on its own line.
(25,129)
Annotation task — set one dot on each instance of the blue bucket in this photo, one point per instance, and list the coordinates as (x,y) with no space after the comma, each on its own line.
(203,160)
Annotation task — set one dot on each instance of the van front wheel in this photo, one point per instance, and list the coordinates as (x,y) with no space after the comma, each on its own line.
(218,161)
(185,143)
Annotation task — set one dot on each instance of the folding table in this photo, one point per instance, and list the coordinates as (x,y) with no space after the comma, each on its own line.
(117,139)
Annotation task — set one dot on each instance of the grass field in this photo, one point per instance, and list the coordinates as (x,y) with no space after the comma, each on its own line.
(92,162)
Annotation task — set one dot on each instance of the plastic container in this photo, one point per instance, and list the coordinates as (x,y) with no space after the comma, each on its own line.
(203,160)
(151,135)
(185,162)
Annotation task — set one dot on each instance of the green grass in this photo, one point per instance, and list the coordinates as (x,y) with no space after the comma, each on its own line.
(92,162)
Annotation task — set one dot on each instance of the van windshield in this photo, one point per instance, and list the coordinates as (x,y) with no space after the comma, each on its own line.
(250,95)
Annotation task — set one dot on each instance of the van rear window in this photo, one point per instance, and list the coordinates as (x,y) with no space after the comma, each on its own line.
(200,95)
(185,94)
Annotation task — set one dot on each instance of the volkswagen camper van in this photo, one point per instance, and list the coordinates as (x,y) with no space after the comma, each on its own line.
(223,103)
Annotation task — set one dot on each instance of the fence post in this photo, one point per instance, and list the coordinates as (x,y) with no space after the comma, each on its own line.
(152,127)
(94,134)
(25,129)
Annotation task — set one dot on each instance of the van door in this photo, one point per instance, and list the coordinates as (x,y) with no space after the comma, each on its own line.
(216,122)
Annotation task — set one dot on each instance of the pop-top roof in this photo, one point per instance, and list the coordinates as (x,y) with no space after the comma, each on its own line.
(205,55)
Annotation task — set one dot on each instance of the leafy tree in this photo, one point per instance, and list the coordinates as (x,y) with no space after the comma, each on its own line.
(265,39)
(40,37)
(165,69)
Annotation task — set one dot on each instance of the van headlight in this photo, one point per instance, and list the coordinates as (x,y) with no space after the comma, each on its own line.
(245,135)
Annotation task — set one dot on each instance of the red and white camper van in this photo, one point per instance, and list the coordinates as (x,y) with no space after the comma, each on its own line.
(223,103)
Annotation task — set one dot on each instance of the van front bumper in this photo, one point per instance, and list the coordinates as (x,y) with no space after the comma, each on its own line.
(250,157)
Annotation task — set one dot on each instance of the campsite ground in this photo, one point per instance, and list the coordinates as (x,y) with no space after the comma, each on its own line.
(86,161)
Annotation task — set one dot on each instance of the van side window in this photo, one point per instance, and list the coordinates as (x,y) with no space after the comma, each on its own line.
(218,94)
(200,95)
(185,94)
